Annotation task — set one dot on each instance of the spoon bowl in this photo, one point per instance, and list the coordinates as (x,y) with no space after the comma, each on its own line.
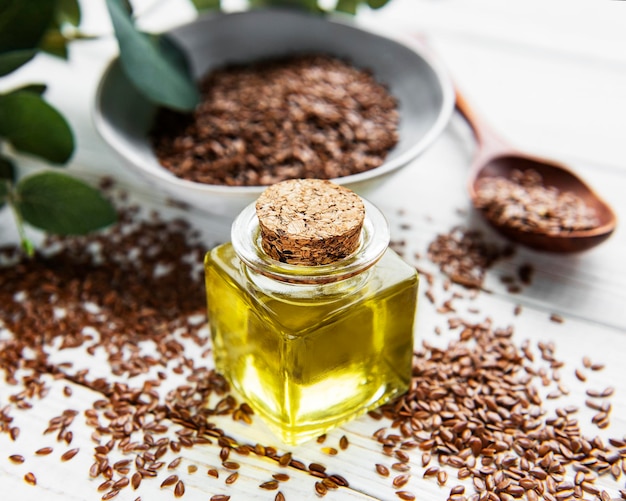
(495,158)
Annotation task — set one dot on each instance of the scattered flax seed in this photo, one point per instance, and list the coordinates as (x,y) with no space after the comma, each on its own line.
(121,483)
(382,470)
(330,483)
(174,463)
(67,391)
(402,456)
(104,486)
(464,256)
(556,318)
(607,392)
(171,480)
(220,497)
(593,393)
(16,458)
(321,439)
(270,485)
(30,478)
(457,489)
(475,405)
(320,488)
(232,478)
(343,443)
(339,480)
(281,477)
(580,375)
(135,480)
(517,310)
(224,453)
(442,477)
(69,454)
(285,459)
(44,451)
(432,471)
(320,468)
(401,467)
(111,494)
(179,490)
(401,480)
(127,258)
(298,465)
(525,273)
(279,496)
(331,451)
(231,465)
(405,495)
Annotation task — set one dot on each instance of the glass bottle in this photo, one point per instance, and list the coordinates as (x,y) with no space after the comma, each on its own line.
(311,342)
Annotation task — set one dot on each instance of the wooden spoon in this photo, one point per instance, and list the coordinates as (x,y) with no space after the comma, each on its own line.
(494,157)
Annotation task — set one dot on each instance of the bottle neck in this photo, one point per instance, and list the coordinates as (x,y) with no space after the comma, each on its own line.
(246,241)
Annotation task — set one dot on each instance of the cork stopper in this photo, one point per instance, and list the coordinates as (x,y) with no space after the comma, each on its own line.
(309,221)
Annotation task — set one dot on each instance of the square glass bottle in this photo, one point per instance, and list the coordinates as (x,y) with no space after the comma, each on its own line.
(312,331)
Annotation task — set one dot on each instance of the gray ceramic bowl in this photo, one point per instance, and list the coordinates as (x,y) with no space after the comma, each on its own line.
(123,117)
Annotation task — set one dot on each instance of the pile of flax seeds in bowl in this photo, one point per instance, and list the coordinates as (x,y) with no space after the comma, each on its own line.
(301,116)
(473,422)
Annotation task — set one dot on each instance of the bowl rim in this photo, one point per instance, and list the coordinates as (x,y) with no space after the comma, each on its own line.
(435,130)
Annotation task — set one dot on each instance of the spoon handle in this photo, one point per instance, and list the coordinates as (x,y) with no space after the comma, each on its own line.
(489,142)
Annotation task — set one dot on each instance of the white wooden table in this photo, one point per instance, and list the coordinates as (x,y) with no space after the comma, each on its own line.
(552,79)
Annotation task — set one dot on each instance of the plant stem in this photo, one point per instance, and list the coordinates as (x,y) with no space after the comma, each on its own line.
(27,245)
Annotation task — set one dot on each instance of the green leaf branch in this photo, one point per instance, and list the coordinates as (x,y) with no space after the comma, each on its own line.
(51,201)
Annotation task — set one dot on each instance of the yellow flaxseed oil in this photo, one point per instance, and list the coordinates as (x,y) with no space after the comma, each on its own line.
(310,357)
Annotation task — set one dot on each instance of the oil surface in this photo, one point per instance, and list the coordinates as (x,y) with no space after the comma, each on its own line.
(311,362)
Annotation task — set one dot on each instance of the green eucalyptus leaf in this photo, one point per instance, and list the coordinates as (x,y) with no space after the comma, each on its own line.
(33,126)
(7,175)
(23,23)
(153,70)
(206,4)
(128,7)
(377,4)
(172,52)
(310,5)
(63,205)
(38,89)
(347,6)
(7,169)
(10,61)
(68,11)
(55,43)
